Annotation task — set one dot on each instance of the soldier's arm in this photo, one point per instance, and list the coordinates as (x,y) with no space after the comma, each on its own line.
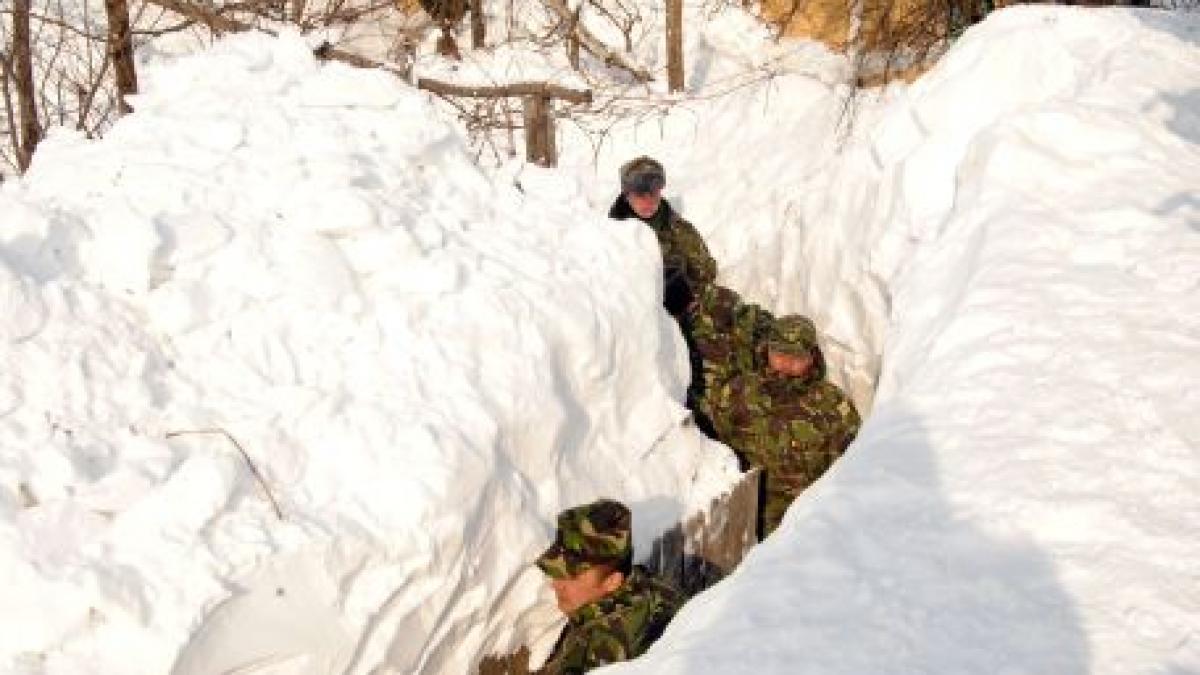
(700,267)
(752,323)
(721,409)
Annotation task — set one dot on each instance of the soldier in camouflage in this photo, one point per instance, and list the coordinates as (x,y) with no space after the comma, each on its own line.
(615,611)
(780,414)
(687,265)
(725,336)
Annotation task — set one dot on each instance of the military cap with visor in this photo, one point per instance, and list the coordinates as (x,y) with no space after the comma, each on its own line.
(595,534)
(792,334)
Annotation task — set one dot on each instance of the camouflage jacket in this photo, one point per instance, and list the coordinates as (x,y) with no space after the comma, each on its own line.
(794,428)
(726,335)
(616,628)
(687,265)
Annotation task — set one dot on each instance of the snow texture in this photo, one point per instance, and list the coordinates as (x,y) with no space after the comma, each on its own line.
(424,365)
(1022,498)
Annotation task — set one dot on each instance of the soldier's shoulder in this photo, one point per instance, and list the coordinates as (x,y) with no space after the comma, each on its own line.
(643,595)
(676,219)
(831,392)
(749,382)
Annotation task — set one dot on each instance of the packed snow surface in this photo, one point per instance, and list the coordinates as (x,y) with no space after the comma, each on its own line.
(1023,498)
(297,269)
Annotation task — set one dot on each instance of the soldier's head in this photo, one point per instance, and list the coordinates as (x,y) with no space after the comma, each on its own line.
(591,555)
(792,346)
(642,182)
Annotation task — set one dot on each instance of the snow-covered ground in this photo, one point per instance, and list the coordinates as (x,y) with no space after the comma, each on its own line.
(1023,498)
(424,365)
(427,360)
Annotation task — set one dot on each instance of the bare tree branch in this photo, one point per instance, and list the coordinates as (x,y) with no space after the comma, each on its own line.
(205,15)
(262,483)
(89,97)
(158,32)
(223,24)
(594,46)
(60,23)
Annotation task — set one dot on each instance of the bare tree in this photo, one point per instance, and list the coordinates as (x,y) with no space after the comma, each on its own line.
(10,115)
(29,125)
(120,51)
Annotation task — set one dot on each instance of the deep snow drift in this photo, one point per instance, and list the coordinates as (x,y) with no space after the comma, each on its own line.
(424,365)
(1022,499)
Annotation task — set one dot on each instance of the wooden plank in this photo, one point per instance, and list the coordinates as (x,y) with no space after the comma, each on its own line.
(514,89)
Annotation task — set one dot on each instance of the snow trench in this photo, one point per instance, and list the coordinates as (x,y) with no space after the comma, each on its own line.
(1019,499)
(299,267)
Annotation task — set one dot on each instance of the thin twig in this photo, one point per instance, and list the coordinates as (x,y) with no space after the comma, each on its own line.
(246,456)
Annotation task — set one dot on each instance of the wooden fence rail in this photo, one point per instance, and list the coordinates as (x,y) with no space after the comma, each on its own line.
(538,104)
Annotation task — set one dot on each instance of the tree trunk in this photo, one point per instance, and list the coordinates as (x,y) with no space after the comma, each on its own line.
(573,39)
(22,61)
(120,50)
(478,28)
(298,8)
(10,113)
(675,45)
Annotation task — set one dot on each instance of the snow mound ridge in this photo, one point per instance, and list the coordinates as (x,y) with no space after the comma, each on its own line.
(1021,498)
(424,366)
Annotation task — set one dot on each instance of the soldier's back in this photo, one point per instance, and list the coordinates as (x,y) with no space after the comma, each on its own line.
(793,429)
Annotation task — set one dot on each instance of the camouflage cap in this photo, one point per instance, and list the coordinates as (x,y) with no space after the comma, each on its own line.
(588,535)
(792,334)
(641,175)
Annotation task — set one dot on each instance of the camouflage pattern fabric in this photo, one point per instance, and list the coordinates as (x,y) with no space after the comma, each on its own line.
(792,427)
(688,267)
(726,336)
(792,334)
(592,534)
(616,628)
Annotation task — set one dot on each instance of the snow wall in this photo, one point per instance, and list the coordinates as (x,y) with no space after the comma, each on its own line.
(1022,498)
(425,366)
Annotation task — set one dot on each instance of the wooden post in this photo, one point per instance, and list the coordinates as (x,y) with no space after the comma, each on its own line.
(120,50)
(478,27)
(674,45)
(539,131)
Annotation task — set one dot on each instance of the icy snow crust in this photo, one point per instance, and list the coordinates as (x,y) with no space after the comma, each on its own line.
(1023,498)
(424,365)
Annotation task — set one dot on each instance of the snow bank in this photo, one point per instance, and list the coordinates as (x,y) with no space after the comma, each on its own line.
(1022,499)
(424,366)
